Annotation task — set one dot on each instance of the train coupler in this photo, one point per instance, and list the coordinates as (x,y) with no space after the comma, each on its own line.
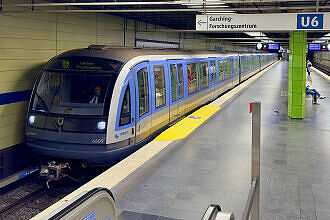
(54,171)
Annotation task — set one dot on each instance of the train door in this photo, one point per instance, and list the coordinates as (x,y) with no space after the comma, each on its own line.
(232,70)
(160,92)
(177,89)
(213,77)
(143,101)
(182,93)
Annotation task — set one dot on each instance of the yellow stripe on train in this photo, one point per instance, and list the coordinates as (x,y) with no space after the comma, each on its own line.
(187,125)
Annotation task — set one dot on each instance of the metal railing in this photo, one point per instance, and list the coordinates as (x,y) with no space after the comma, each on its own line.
(251,209)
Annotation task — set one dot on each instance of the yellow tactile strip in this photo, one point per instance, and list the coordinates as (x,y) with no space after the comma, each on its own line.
(187,125)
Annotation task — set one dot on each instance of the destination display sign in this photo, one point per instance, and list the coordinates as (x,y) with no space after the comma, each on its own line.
(84,63)
(314,46)
(263,22)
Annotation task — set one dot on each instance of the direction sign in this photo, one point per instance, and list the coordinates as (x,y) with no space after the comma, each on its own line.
(263,22)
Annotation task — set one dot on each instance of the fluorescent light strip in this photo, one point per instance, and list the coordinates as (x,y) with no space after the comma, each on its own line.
(217,12)
(209,6)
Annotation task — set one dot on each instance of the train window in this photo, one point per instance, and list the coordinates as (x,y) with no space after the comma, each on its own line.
(160,90)
(142,76)
(242,64)
(174,83)
(221,70)
(232,70)
(125,112)
(236,66)
(181,82)
(227,70)
(192,71)
(203,74)
(213,70)
(74,94)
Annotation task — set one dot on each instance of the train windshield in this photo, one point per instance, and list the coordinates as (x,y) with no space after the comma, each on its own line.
(72,93)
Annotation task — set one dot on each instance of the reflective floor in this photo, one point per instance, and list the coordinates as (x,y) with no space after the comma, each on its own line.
(213,165)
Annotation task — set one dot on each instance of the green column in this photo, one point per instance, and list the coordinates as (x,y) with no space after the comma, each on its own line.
(297,74)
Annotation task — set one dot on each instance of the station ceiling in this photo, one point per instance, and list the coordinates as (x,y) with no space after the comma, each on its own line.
(180,15)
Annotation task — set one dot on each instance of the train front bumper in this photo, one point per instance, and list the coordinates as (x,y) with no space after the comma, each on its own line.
(93,154)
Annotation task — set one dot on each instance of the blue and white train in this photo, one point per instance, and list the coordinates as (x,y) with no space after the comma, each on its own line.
(97,105)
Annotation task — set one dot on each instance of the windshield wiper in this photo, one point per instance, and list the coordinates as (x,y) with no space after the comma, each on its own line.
(42,102)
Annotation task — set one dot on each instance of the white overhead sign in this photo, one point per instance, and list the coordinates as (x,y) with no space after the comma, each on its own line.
(263,22)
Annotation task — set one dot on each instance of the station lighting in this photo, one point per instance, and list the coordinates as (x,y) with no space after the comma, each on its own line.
(259,46)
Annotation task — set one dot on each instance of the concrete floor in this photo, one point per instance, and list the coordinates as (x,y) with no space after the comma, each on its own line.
(213,165)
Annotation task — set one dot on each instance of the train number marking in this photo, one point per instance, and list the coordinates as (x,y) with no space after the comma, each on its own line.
(98,141)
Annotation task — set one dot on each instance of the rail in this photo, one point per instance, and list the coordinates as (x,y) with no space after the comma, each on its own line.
(251,210)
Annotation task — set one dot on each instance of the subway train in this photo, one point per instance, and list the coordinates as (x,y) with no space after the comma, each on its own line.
(97,105)
(321,60)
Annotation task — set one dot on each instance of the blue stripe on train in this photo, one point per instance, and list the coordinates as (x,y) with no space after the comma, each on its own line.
(12,97)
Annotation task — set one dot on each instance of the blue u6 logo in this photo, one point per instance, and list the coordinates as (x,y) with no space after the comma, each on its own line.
(310,21)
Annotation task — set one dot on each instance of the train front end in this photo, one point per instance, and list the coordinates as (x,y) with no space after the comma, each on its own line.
(68,113)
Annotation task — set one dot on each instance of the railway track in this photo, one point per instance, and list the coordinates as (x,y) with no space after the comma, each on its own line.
(323,68)
(27,200)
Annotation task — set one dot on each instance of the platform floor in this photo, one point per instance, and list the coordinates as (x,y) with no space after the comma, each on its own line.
(213,165)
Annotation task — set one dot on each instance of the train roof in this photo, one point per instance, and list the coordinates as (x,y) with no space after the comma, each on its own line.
(125,54)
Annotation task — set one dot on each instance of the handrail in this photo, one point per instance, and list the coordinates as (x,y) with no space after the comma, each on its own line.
(213,212)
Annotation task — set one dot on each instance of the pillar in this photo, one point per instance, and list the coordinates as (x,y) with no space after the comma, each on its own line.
(297,75)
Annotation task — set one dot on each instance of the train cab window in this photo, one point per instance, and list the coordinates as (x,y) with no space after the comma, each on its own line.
(204,74)
(143,85)
(174,83)
(227,70)
(192,71)
(160,89)
(221,70)
(72,93)
(125,112)
(181,82)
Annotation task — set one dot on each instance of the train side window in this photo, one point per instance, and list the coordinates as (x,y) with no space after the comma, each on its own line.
(125,112)
(181,82)
(204,74)
(232,73)
(174,84)
(192,71)
(221,70)
(143,85)
(236,66)
(160,90)
(227,70)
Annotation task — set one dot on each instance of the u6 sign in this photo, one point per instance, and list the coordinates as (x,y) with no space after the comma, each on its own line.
(310,21)
(263,22)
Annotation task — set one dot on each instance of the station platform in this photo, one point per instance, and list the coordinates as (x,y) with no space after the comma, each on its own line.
(213,165)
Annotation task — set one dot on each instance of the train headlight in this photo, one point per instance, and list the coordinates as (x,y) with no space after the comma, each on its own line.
(101,125)
(32,119)
(328,46)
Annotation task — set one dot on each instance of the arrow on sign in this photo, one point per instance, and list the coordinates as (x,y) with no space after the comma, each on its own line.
(200,22)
